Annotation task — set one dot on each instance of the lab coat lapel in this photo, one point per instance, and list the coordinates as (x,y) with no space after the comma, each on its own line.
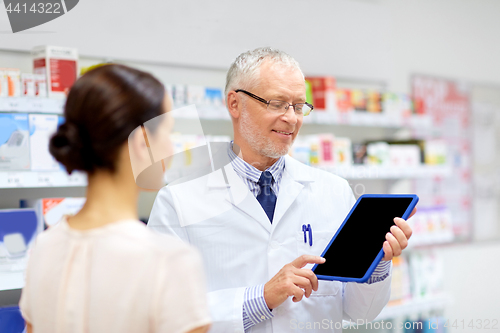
(239,195)
(292,183)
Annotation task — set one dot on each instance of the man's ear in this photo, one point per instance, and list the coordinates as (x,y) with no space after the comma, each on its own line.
(233,103)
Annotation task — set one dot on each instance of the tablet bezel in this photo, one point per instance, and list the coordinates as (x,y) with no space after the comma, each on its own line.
(380,255)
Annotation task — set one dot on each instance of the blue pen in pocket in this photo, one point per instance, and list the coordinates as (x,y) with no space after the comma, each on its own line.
(305,230)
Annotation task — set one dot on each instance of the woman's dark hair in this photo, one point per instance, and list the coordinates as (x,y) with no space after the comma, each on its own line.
(103,107)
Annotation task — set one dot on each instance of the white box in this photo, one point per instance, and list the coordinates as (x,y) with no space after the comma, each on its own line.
(51,210)
(40,85)
(14,141)
(59,64)
(14,82)
(342,151)
(404,155)
(326,149)
(179,95)
(27,85)
(42,127)
(10,82)
(195,95)
(4,86)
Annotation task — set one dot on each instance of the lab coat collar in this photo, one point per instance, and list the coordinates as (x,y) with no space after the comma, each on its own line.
(295,177)
(238,194)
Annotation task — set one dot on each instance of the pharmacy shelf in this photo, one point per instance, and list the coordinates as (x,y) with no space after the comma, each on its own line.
(368,119)
(29,179)
(381,172)
(414,307)
(50,105)
(323,117)
(11,280)
(21,179)
(31,105)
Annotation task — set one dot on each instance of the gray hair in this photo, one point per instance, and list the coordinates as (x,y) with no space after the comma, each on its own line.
(244,71)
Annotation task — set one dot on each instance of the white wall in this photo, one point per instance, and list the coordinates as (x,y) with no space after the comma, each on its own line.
(326,37)
(379,40)
(449,38)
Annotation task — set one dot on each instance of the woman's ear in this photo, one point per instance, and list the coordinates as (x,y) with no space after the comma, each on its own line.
(138,151)
(233,103)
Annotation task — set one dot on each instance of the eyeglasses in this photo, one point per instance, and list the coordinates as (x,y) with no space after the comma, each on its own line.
(281,107)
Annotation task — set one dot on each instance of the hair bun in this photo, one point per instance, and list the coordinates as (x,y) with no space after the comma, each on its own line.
(66,147)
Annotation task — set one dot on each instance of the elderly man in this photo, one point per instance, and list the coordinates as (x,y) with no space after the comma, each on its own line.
(246,218)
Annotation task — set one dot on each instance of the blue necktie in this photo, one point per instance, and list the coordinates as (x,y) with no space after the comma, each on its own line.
(266,197)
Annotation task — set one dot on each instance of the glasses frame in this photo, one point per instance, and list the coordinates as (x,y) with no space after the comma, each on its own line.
(262,100)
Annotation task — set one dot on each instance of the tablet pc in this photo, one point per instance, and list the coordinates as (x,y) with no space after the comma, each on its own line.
(356,248)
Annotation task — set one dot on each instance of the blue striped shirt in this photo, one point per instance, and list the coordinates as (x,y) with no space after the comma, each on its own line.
(255,309)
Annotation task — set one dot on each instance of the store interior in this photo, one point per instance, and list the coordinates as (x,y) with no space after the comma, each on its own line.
(409,48)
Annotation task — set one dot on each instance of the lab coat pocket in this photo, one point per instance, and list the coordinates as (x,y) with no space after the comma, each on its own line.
(327,288)
(320,240)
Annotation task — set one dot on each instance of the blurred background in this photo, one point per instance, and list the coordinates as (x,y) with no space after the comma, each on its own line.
(406,96)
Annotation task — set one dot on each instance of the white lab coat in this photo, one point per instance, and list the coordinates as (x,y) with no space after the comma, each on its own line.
(241,248)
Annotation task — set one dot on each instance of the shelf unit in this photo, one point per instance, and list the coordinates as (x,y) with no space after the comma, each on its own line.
(330,117)
(31,105)
(414,307)
(34,179)
(381,172)
(31,179)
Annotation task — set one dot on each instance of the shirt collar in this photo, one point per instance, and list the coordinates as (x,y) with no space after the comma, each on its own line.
(248,171)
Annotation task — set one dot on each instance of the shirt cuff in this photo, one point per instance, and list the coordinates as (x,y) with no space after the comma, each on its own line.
(381,272)
(255,309)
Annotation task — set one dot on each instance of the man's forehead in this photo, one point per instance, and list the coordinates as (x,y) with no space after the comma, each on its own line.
(269,66)
(285,79)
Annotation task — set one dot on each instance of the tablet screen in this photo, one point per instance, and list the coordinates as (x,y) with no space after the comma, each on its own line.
(360,240)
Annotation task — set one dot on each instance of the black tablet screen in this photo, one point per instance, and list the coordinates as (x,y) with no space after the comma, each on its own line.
(360,240)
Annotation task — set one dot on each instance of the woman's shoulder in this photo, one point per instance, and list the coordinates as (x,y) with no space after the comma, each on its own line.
(159,243)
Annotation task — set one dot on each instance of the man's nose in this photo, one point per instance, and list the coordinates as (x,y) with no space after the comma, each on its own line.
(290,116)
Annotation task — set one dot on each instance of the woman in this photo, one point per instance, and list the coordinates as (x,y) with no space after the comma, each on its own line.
(102,270)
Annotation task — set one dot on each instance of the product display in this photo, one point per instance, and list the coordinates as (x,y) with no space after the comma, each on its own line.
(432,225)
(14,142)
(195,94)
(4,86)
(42,127)
(358,100)
(417,275)
(404,155)
(426,274)
(322,150)
(400,283)
(374,102)
(344,103)
(40,85)
(13,82)
(28,85)
(323,92)
(10,82)
(18,228)
(59,64)
(378,153)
